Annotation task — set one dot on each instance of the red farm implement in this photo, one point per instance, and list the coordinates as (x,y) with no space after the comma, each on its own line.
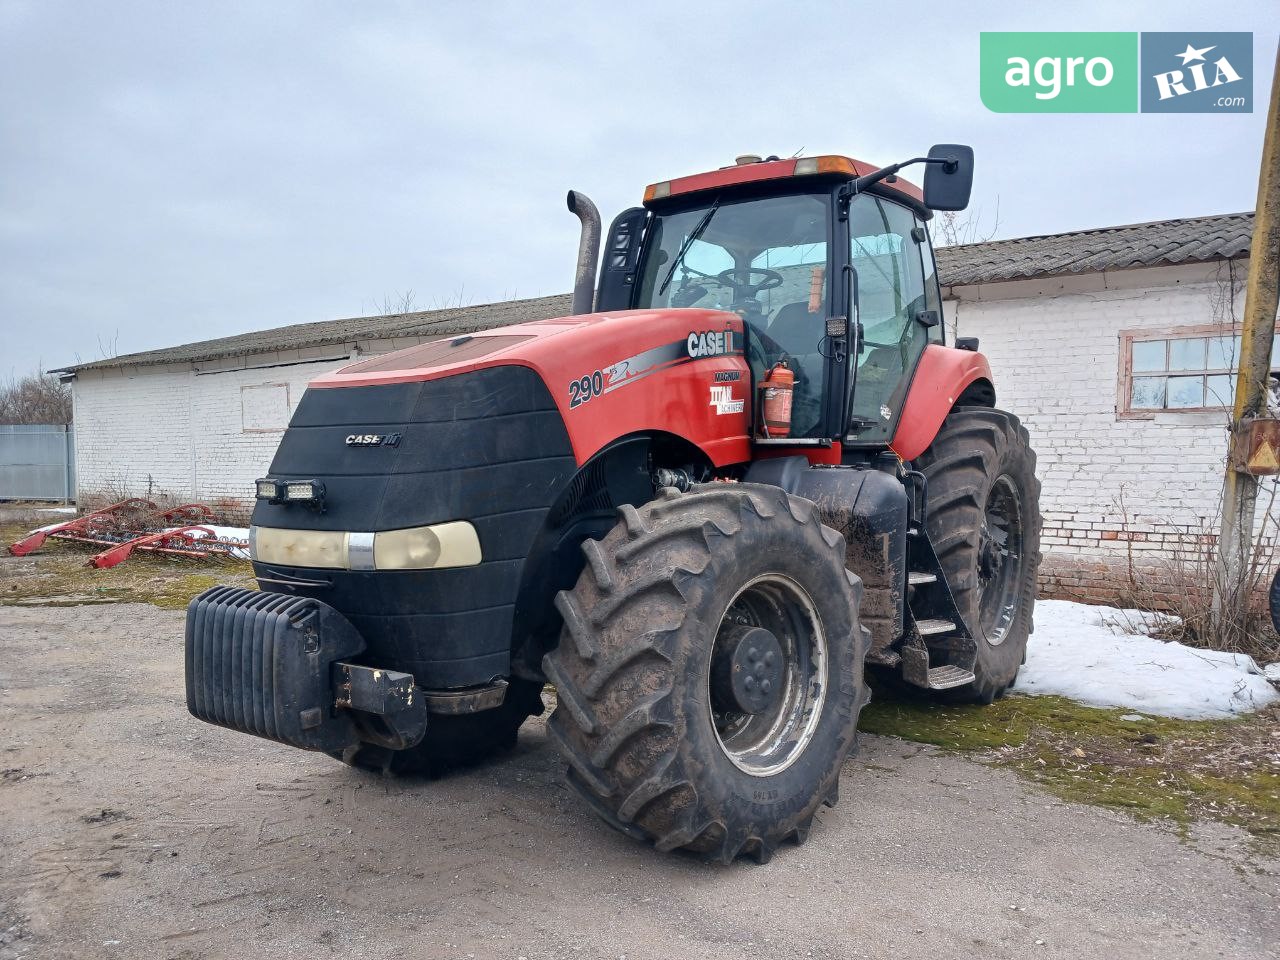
(137,524)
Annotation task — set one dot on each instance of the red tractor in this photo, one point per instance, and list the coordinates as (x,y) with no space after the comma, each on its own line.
(747,466)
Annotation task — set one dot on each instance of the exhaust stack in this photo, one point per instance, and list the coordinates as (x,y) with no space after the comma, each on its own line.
(584,279)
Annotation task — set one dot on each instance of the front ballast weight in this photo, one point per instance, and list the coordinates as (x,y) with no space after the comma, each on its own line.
(276,666)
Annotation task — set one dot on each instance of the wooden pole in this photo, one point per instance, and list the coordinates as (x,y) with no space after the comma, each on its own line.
(1240,494)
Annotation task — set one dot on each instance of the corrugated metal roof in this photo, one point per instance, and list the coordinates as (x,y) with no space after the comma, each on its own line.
(303,336)
(1151,244)
(1083,251)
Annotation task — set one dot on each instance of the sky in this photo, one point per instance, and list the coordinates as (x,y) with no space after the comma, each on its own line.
(172,172)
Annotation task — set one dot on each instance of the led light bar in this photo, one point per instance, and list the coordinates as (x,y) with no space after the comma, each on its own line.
(289,491)
(303,491)
(266,489)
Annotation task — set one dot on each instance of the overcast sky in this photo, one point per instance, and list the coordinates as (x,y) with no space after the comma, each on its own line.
(177,171)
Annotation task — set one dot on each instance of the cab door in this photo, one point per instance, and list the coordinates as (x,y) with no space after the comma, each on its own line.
(899,312)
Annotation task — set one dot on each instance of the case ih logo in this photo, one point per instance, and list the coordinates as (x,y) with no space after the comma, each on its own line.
(373,440)
(713,343)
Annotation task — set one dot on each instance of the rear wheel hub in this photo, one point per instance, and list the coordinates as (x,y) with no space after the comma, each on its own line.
(747,670)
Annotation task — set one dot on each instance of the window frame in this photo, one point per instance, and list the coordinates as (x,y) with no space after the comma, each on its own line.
(932,285)
(903,387)
(1124,385)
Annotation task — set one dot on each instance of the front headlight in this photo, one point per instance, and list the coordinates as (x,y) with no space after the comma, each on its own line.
(434,547)
(299,548)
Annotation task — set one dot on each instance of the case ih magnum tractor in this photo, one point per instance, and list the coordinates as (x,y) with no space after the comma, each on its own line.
(745,468)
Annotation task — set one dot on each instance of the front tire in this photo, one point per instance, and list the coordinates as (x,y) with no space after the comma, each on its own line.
(682,613)
(984,522)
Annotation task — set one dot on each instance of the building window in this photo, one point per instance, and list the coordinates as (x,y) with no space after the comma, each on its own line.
(264,407)
(1184,369)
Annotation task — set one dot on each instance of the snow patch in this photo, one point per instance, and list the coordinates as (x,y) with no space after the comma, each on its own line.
(1085,653)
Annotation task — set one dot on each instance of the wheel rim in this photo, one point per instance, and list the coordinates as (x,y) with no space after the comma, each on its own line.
(1000,561)
(770,740)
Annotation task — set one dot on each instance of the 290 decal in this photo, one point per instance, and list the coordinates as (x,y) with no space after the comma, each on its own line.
(695,346)
(585,387)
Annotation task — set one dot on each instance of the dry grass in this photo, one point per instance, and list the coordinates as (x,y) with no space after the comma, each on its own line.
(58,575)
(1158,768)
(1183,584)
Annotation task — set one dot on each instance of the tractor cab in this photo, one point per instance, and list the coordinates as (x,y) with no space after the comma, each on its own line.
(798,249)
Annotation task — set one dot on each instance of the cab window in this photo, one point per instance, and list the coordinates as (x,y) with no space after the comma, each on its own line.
(764,259)
(888,264)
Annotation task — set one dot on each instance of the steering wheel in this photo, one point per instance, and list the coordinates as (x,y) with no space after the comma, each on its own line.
(772,280)
(689,271)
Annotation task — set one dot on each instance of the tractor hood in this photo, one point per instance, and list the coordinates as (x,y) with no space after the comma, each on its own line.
(679,371)
(481,445)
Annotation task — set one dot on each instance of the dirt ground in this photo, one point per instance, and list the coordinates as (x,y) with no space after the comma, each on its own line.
(128,829)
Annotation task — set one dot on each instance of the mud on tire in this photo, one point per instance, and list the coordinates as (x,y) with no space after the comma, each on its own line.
(979,455)
(634,716)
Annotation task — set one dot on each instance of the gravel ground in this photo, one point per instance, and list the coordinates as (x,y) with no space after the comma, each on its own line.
(128,829)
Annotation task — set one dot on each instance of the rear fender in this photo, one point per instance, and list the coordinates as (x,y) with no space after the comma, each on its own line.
(944,377)
(869,508)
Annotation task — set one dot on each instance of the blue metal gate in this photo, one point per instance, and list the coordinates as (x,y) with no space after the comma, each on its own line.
(37,462)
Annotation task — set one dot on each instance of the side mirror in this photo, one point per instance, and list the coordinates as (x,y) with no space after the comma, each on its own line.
(947,185)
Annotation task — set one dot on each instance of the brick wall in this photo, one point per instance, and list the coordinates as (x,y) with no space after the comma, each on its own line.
(1122,499)
(192,432)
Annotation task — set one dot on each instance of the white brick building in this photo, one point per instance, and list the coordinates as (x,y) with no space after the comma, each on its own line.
(1116,348)
(1093,337)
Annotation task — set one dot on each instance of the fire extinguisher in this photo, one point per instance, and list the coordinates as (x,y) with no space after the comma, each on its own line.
(777,389)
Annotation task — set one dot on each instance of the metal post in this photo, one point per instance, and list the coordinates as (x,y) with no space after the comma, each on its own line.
(66,464)
(1240,493)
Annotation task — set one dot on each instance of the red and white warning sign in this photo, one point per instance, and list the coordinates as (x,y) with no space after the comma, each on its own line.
(1256,449)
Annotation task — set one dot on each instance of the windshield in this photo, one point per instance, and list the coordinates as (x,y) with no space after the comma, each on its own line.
(764,259)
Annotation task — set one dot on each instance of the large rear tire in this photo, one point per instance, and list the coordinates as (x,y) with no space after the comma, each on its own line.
(683,612)
(984,521)
(453,742)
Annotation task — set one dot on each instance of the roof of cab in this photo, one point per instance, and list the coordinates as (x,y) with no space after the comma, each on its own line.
(774,169)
